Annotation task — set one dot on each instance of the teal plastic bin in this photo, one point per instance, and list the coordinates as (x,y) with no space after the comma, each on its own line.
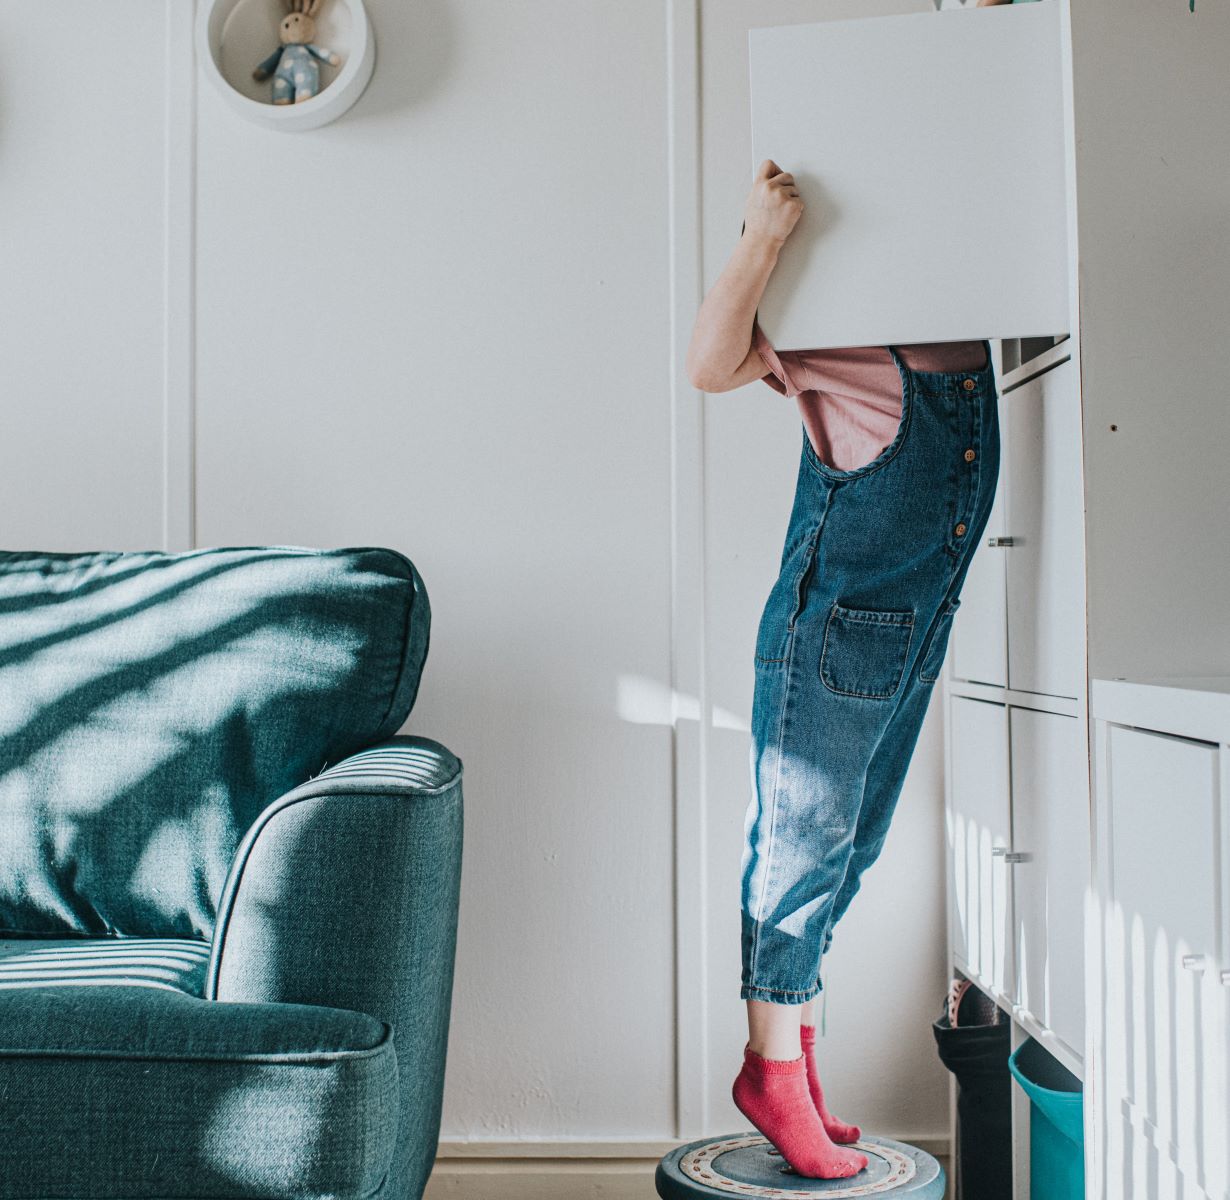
(1056,1123)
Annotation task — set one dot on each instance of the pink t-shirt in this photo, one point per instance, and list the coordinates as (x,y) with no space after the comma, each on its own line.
(850,398)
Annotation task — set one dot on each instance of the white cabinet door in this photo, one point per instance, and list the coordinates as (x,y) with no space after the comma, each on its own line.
(1163,1028)
(1051,829)
(979,821)
(980,628)
(1046,562)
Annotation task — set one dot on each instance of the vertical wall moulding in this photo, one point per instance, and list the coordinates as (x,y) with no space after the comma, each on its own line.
(179,287)
(688,628)
(233,36)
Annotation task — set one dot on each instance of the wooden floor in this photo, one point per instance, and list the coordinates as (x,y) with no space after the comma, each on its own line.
(559,1171)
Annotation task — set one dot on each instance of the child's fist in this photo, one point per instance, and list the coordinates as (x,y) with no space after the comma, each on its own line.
(774,205)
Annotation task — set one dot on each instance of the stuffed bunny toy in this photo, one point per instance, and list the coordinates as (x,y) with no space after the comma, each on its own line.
(296,76)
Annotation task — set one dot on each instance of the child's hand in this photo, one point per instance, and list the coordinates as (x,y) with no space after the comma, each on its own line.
(774,204)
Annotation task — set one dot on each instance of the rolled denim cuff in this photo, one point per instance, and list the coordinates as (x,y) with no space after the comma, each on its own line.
(749,991)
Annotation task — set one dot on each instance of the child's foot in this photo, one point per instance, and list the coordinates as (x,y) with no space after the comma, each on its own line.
(772,1093)
(839,1131)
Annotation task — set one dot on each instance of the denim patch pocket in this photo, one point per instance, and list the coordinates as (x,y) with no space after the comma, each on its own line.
(933,652)
(865,651)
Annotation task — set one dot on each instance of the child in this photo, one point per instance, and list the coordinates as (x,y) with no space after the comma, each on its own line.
(898,471)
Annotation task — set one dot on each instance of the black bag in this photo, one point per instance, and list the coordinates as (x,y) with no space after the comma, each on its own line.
(976,1051)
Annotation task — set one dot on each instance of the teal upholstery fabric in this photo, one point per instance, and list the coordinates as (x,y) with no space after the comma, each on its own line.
(140,1092)
(345,893)
(228,888)
(177,964)
(155,704)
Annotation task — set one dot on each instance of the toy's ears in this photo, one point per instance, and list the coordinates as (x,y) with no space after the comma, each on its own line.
(309,8)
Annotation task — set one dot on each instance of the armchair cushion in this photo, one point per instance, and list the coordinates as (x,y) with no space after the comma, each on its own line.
(175,963)
(146,1092)
(154,704)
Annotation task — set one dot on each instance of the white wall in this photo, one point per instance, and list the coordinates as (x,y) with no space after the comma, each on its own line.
(81,275)
(440,324)
(446,324)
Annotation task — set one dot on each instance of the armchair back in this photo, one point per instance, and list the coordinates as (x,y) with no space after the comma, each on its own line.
(153,704)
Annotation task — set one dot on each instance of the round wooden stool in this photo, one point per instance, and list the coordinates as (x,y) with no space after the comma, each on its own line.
(746,1164)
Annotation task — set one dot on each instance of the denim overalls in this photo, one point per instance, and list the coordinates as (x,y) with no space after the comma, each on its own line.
(847,652)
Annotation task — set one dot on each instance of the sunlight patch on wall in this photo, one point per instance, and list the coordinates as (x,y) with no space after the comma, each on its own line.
(643,701)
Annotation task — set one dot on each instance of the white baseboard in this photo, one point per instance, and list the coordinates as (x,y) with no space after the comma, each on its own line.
(570,1170)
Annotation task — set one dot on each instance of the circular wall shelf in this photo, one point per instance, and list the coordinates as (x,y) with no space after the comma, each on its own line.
(232,36)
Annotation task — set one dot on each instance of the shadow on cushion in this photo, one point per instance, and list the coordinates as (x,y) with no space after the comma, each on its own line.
(178,964)
(155,704)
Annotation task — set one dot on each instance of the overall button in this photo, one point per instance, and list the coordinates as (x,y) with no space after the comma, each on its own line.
(969,456)
(968,385)
(960,530)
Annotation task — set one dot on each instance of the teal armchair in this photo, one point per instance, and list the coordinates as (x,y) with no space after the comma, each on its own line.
(228,885)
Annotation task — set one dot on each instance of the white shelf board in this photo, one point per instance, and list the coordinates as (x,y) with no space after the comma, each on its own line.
(1192,706)
(994,693)
(1058,353)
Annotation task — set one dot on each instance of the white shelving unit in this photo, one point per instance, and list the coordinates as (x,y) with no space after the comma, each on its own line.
(1090,892)
(1017,788)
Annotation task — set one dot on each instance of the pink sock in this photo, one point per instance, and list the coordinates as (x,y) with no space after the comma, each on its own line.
(837,1130)
(772,1094)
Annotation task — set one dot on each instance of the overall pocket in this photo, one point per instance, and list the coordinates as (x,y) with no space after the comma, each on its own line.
(933,653)
(885,456)
(865,651)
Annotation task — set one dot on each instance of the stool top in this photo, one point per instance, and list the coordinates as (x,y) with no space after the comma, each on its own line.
(746,1165)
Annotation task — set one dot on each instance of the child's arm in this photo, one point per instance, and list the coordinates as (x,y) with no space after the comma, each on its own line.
(325,56)
(268,67)
(720,355)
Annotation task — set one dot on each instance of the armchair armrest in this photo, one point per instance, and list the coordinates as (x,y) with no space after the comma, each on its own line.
(344,893)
